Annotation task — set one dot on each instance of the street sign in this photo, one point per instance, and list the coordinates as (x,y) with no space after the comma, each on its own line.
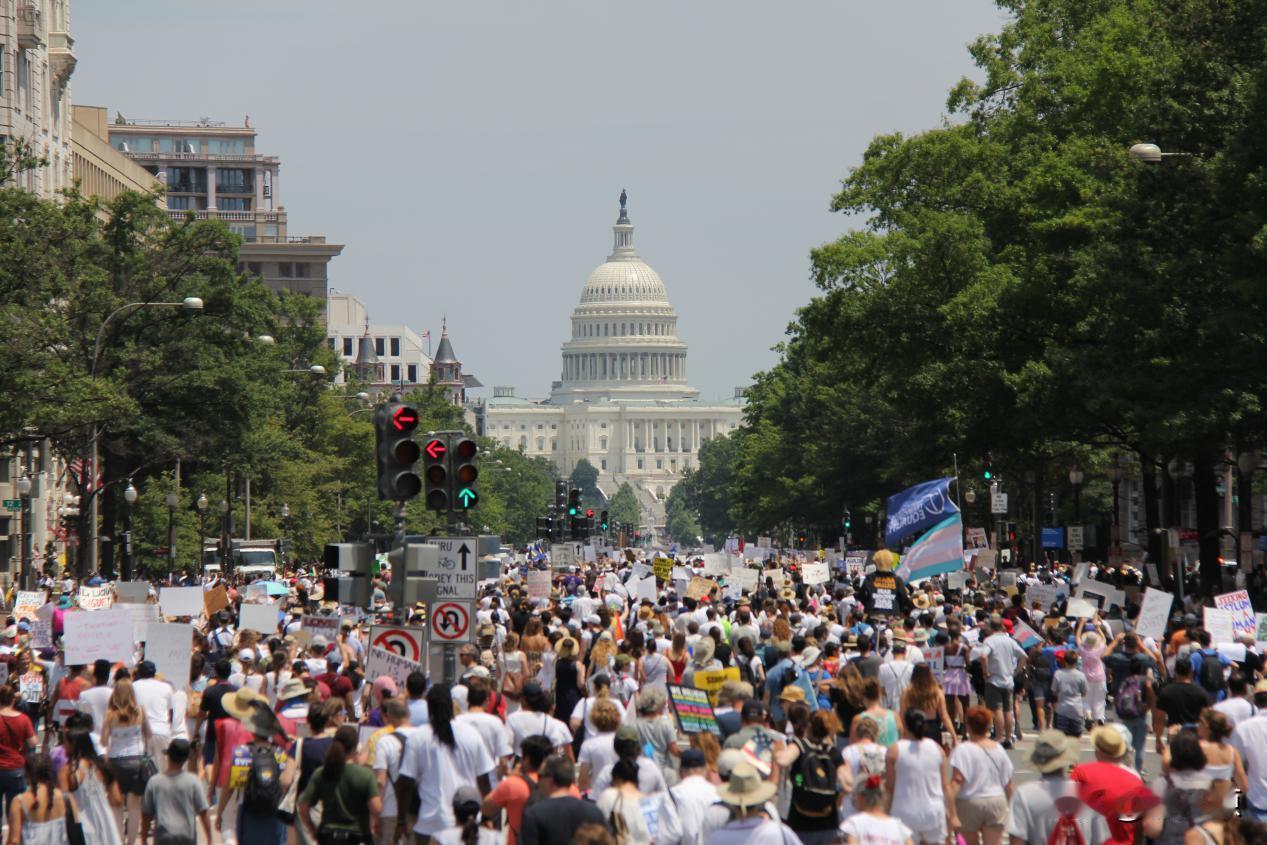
(1074,537)
(456,568)
(451,621)
(562,555)
(398,639)
(13,504)
(998,503)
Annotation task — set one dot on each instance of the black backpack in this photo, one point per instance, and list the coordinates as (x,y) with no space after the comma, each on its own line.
(1211,674)
(263,790)
(814,775)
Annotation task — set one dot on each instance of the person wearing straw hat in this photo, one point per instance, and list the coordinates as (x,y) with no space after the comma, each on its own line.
(250,755)
(746,793)
(1037,807)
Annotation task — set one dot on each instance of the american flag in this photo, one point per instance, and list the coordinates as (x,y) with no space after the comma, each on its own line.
(87,485)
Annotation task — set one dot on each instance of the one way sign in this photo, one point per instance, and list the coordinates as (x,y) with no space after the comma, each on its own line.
(457,568)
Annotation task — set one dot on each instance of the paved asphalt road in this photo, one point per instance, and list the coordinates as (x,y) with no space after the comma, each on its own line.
(1025,771)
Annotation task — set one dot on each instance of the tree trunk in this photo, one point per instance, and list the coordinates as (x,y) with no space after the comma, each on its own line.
(1207,500)
(1153,540)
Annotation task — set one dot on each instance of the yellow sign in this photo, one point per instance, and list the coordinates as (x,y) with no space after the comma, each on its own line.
(663,568)
(699,588)
(712,680)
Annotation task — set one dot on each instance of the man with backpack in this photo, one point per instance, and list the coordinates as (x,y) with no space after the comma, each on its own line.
(519,790)
(1179,703)
(1209,667)
(259,774)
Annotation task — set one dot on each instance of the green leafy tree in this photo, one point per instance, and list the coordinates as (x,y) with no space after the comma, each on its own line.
(624,507)
(680,520)
(585,478)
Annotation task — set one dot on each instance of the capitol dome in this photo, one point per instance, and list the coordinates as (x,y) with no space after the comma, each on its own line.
(624,339)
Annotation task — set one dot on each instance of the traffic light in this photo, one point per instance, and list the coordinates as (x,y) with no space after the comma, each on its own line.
(435,472)
(560,495)
(602,521)
(397,452)
(987,473)
(847,521)
(545,527)
(465,472)
(574,502)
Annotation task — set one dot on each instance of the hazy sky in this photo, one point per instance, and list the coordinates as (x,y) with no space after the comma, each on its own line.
(470,154)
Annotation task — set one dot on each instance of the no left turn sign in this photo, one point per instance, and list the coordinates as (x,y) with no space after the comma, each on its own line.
(451,622)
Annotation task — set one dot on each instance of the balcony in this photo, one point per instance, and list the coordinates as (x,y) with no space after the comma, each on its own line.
(30,26)
(61,56)
(235,189)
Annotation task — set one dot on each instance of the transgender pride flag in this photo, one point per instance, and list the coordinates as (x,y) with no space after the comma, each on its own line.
(938,550)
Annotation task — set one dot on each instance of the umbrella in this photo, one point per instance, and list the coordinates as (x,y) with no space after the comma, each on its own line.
(273,588)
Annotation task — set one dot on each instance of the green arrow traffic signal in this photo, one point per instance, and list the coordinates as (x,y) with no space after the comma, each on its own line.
(468,498)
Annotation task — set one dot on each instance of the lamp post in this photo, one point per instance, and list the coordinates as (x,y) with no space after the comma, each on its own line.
(172,501)
(1246,465)
(1075,478)
(24,555)
(201,504)
(189,305)
(130,496)
(285,543)
(226,537)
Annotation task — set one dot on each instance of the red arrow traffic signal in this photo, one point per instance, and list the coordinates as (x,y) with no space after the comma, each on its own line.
(435,449)
(405,418)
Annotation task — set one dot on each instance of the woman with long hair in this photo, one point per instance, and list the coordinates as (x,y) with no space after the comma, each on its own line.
(1189,798)
(39,816)
(751,669)
(1223,763)
(981,781)
(276,676)
(17,737)
(923,694)
(535,644)
(581,715)
(87,778)
(885,719)
(678,656)
(601,655)
(708,745)
(812,810)
(918,786)
(599,749)
(347,793)
(569,676)
(653,668)
(955,682)
(125,734)
(467,830)
(846,697)
(514,671)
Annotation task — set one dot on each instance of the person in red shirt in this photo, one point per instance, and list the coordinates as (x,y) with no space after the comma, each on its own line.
(1105,784)
(340,685)
(17,736)
(66,696)
(516,788)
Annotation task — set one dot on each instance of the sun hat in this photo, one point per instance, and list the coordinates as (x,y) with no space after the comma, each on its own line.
(792,694)
(1053,751)
(293,688)
(1108,741)
(745,788)
(727,760)
(239,704)
(703,650)
(809,656)
(921,601)
(566,647)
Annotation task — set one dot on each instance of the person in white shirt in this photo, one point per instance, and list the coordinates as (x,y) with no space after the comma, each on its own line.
(155,700)
(1250,739)
(535,719)
(492,730)
(582,711)
(693,795)
(388,751)
(1236,707)
(895,676)
(96,699)
(440,758)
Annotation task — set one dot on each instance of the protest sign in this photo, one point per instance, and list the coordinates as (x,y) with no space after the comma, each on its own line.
(1219,623)
(142,615)
(1080,572)
(256,593)
(699,588)
(1026,636)
(956,580)
(663,568)
(382,661)
(646,589)
(715,564)
(986,559)
(1045,594)
(168,645)
(815,573)
(31,687)
(1261,636)
(102,635)
(682,573)
(976,539)
(1238,605)
(711,680)
(95,598)
(1153,613)
(27,602)
(1103,596)
(693,710)
(744,579)
(935,657)
(1007,578)
(215,600)
(777,576)
(855,564)
(1080,608)
(42,627)
(763,542)
(180,601)
(539,584)
(131,592)
(259,617)
(311,626)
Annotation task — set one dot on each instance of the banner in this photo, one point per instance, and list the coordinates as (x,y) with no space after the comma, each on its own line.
(663,568)
(938,551)
(102,635)
(917,509)
(1153,614)
(95,598)
(1242,611)
(180,601)
(169,646)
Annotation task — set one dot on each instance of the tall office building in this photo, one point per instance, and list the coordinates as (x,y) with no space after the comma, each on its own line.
(36,61)
(212,170)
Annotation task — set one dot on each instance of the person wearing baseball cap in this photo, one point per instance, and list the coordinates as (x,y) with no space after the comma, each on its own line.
(1104,783)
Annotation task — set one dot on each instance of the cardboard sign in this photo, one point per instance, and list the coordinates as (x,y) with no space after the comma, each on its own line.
(1153,614)
(716,564)
(663,568)
(95,598)
(1046,594)
(538,584)
(1219,623)
(42,627)
(645,588)
(699,588)
(815,573)
(169,646)
(131,592)
(712,680)
(27,602)
(311,626)
(1242,611)
(398,667)
(215,600)
(259,617)
(693,710)
(180,601)
(101,635)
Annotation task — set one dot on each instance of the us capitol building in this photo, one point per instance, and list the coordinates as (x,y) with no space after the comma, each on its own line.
(623,402)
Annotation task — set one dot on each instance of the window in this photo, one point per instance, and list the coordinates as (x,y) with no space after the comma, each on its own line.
(23,80)
(227,146)
(378,347)
(235,204)
(179,203)
(395,345)
(602,465)
(347,346)
(395,372)
(540,426)
(286,269)
(233,180)
(602,425)
(602,442)
(301,269)
(412,370)
(253,266)
(553,427)
(179,145)
(659,464)
(541,444)
(640,463)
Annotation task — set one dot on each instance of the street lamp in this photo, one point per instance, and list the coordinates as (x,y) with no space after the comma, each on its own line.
(226,537)
(172,501)
(1075,478)
(314,370)
(130,496)
(188,305)
(201,504)
(24,556)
